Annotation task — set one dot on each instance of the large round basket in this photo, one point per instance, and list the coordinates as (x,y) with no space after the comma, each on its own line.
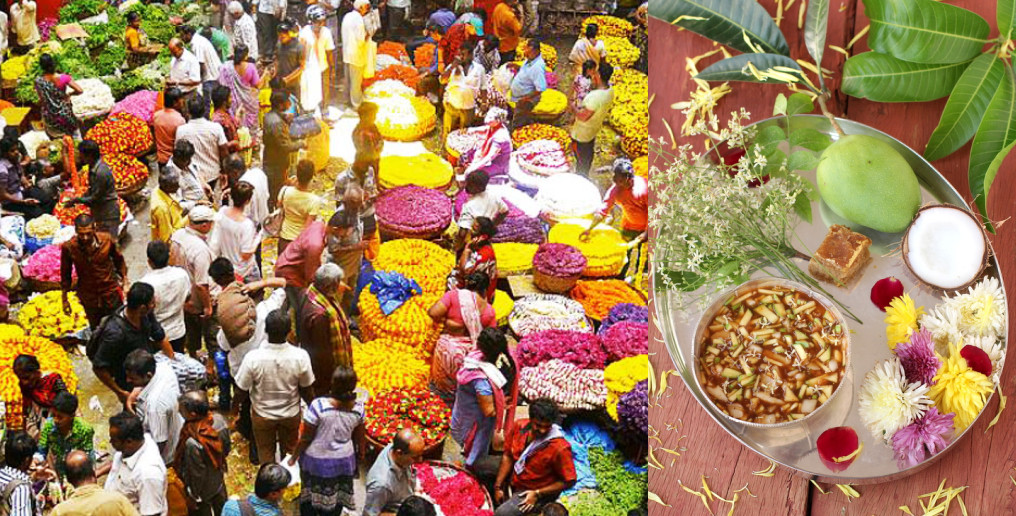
(448,465)
(38,285)
(554,284)
(389,233)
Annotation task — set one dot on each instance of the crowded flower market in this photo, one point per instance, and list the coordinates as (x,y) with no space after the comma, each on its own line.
(343,257)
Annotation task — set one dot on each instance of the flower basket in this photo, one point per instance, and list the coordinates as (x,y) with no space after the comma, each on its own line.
(465,497)
(538,312)
(406,119)
(554,284)
(427,170)
(388,412)
(413,212)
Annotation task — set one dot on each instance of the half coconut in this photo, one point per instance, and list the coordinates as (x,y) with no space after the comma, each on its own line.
(946,247)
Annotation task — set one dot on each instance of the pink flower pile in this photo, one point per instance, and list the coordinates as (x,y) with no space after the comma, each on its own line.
(559,260)
(459,494)
(570,386)
(44,265)
(140,104)
(46,28)
(584,350)
(414,211)
(626,339)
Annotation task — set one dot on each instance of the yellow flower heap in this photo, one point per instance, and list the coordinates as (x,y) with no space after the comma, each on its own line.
(611,26)
(605,249)
(427,170)
(959,389)
(533,132)
(552,103)
(901,320)
(52,359)
(382,365)
(404,118)
(409,325)
(548,52)
(620,52)
(15,67)
(503,305)
(621,377)
(43,315)
(630,112)
(514,258)
(641,166)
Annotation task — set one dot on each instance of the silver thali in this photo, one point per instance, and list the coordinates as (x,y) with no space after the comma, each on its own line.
(793,446)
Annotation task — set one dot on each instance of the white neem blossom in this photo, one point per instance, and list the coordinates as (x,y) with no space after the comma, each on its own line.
(887,402)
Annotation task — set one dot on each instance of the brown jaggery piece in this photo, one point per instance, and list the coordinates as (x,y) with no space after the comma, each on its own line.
(842,254)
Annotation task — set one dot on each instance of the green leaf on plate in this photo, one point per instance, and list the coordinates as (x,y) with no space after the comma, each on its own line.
(996,132)
(925,31)
(809,139)
(802,207)
(736,69)
(799,104)
(815,22)
(884,78)
(780,105)
(802,160)
(965,107)
(724,21)
(1005,16)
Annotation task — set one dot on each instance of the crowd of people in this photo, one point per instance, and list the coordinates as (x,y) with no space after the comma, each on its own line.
(276,339)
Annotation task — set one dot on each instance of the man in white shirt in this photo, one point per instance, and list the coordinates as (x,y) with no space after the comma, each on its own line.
(192,243)
(138,471)
(25,27)
(397,15)
(208,59)
(270,13)
(257,208)
(208,139)
(155,400)
(184,68)
(481,203)
(464,77)
(354,50)
(172,286)
(275,376)
(589,118)
(242,28)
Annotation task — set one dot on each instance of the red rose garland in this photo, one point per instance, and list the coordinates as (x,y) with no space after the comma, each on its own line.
(418,409)
(121,133)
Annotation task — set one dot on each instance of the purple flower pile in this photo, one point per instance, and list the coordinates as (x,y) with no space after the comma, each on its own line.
(624,312)
(522,229)
(633,409)
(583,350)
(559,260)
(626,339)
(414,210)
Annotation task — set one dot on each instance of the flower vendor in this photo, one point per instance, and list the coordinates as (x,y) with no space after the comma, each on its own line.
(17,194)
(54,101)
(465,312)
(100,197)
(540,462)
(331,447)
(361,178)
(138,50)
(478,256)
(587,48)
(485,399)
(590,116)
(505,22)
(325,333)
(481,203)
(207,137)
(632,193)
(279,147)
(37,390)
(390,480)
(464,77)
(65,432)
(100,267)
(493,153)
(529,83)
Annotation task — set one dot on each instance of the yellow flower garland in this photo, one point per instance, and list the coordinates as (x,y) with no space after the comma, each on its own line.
(552,103)
(609,26)
(405,119)
(503,306)
(43,315)
(52,359)
(513,257)
(605,250)
(621,377)
(421,260)
(383,365)
(641,165)
(409,325)
(620,52)
(427,170)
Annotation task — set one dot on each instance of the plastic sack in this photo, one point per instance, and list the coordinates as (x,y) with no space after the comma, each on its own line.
(392,290)
(12,229)
(304,126)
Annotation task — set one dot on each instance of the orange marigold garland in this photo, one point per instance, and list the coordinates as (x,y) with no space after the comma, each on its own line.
(128,171)
(533,132)
(52,359)
(598,297)
(405,74)
(409,324)
(424,55)
(121,133)
(396,50)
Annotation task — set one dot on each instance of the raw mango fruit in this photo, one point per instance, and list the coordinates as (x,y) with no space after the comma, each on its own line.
(865,181)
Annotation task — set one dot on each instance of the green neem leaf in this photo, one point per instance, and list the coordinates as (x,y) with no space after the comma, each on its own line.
(802,160)
(965,107)
(809,139)
(770,134)
(770,68)
(884,78)
(802,207)
(724,21)
(1005,16)
(799,104)
(815,22)
(996,132)
(925,31)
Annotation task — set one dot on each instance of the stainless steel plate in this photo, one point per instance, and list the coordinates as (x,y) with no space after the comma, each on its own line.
(794,447)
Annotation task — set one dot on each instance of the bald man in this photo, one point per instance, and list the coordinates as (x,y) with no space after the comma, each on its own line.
(88,498)
(390,480)
(184,68)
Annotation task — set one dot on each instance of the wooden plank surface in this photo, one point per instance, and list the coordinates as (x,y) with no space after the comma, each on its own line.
(982,461)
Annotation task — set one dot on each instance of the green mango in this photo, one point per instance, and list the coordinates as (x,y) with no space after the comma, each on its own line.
(866,181)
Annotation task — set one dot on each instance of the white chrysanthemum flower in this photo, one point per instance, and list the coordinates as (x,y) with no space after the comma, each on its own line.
(943,323)
(994,349)
(982,309)
(887,402)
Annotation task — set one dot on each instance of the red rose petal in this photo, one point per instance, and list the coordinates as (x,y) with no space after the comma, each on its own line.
(885,290)
(977,359)
(836,443)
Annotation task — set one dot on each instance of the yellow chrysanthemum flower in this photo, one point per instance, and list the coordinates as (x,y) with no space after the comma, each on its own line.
(959,389)
(901,320)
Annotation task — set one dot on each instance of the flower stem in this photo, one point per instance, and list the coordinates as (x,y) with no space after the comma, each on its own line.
(825,111)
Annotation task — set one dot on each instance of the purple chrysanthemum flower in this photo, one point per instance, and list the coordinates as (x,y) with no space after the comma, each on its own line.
(918,358)
(923,438)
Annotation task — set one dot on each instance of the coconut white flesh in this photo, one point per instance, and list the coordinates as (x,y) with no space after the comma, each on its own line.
(946,247)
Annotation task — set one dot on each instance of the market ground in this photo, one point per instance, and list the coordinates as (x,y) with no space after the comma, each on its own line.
(98,403)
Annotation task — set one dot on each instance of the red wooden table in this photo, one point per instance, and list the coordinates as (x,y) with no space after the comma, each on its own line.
(982,461)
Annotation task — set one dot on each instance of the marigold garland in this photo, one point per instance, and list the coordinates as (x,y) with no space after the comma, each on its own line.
(620,52)
(514,258)
(382,365)
(43,315)
(621,377)
(409,325)
(396,50)
(503,305)
(609,26)
(605,249)
(533,132)
(424,55)
(552,103)
(52,359)
(641,165)
(121,133)
(423,261)
(390,412)
(405,74)
(427,170)
(598,297)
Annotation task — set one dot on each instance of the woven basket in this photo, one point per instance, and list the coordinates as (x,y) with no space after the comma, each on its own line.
(554,284)
(448,465)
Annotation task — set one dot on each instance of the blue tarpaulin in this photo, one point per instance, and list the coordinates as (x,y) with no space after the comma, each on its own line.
(392,290)
(584,435)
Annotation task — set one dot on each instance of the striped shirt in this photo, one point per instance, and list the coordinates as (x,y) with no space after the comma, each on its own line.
(21,498)
(158,408)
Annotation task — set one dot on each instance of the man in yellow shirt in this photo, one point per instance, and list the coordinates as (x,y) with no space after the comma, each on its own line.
(166,213)
(88,496)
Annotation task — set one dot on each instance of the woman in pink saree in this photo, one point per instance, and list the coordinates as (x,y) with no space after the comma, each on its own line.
(243,80)
(465,312)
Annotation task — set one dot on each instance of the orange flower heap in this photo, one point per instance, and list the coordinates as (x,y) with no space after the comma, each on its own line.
(420,260)
(128,171)
(406,74)
(121,133)
(598,297)
(424,55)
(409,325)
(396,50)
(535,132)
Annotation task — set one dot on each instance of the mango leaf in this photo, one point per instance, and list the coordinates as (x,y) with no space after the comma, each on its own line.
(925,31)
(989,176)
(802,160)
(724,21)
(816,20)
(996,132)
(965,107)
(736,68)
(809,139)
(799,104)
(1005,16)
(884,78)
